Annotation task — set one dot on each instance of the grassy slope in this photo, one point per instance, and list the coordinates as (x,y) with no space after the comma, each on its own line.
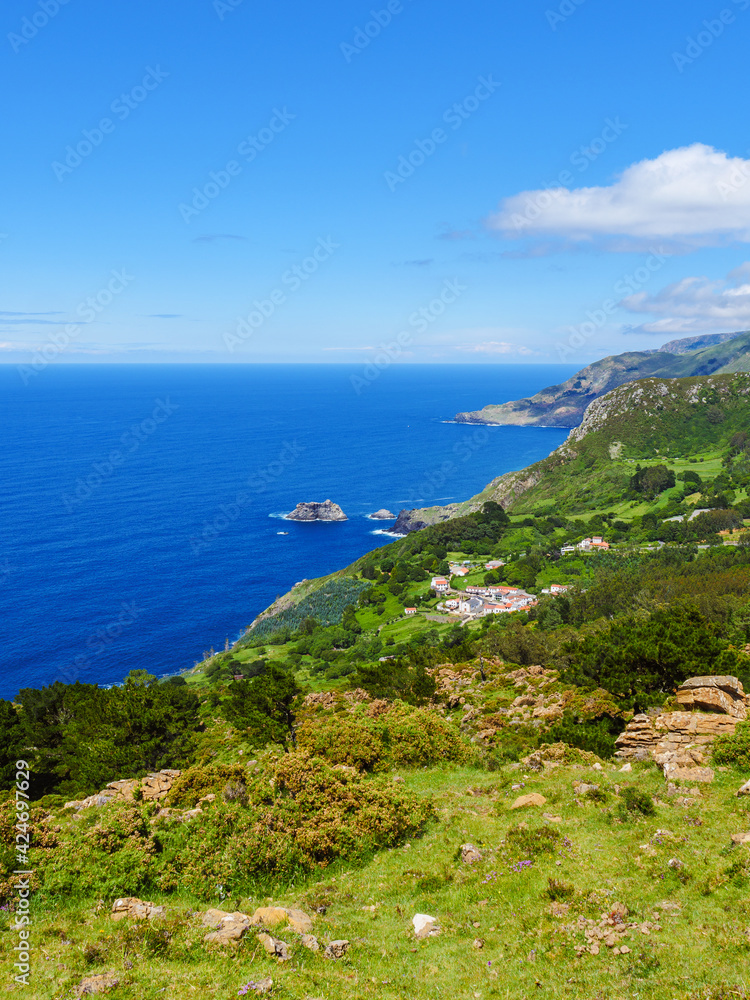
(527,951)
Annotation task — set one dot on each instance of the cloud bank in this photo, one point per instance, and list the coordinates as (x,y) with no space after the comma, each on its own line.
(691,197)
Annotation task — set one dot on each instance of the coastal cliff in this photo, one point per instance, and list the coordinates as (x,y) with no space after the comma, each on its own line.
(564,405)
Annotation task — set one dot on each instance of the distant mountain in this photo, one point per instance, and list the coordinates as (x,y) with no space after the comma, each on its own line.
(688,344)
(564,405)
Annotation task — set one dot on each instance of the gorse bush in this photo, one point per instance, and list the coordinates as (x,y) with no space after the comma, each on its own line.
(402,736)
(735,749)
(300,813)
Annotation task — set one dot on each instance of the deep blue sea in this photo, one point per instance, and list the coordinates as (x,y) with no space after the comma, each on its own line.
(141,506)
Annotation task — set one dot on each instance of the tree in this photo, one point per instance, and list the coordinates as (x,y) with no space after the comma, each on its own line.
(13,745)
(264,706)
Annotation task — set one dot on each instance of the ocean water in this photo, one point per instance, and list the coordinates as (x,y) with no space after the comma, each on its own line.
(141,506)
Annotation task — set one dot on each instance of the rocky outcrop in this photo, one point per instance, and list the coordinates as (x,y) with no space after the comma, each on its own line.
(678,741)
(408,520)
(383,515)
(724,695)
(152,788)
(326,511)
(135,909)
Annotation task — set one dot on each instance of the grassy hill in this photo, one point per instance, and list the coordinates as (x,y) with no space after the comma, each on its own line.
(564,405)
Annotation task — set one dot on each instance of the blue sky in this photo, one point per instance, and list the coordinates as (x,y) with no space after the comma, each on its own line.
(237,182)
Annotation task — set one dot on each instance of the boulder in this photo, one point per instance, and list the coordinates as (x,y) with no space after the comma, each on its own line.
(136,909)
(278,949)
(424,925)
(230,929)
(274,916)
(97,984)
(741,838)
(724,695)
(336,949)
(532,799)
(383,515)
(469,854)
(314,511)
(310,941)
(745,790)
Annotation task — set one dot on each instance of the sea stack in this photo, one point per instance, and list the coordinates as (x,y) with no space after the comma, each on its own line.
(383,515)
(326,511)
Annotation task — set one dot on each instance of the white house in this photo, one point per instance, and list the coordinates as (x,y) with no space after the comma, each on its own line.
(439,584)
(410,611)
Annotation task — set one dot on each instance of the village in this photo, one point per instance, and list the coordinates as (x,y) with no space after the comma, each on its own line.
(477,601)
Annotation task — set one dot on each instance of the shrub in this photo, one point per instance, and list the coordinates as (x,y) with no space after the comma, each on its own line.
(557,891)
(636,801)
(735,749)
(523,842)
(198,781)
(402,736)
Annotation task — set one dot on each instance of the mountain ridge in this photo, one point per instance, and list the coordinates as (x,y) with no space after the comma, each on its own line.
(564,405)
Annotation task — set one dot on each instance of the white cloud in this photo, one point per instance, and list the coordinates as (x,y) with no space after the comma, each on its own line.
(693,196)
(697,305)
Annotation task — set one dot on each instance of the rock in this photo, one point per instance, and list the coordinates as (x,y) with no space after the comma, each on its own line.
(470,855)
(714,694)
(261,986)
(673,772)
(97,984)
(336,949)
(478,944)
(230,929)
(533,799)
(582,788)
(326,511)
(212,917)
(675,740)
(626,768)
(278,949)
(383,515)
(408,520)
(310,941)
(424,925)
(745,790)
(136,909)
(741,838)
(551,819)
(273,916)
(597,766)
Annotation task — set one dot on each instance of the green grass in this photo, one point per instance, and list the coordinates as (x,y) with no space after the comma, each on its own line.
(527,951)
